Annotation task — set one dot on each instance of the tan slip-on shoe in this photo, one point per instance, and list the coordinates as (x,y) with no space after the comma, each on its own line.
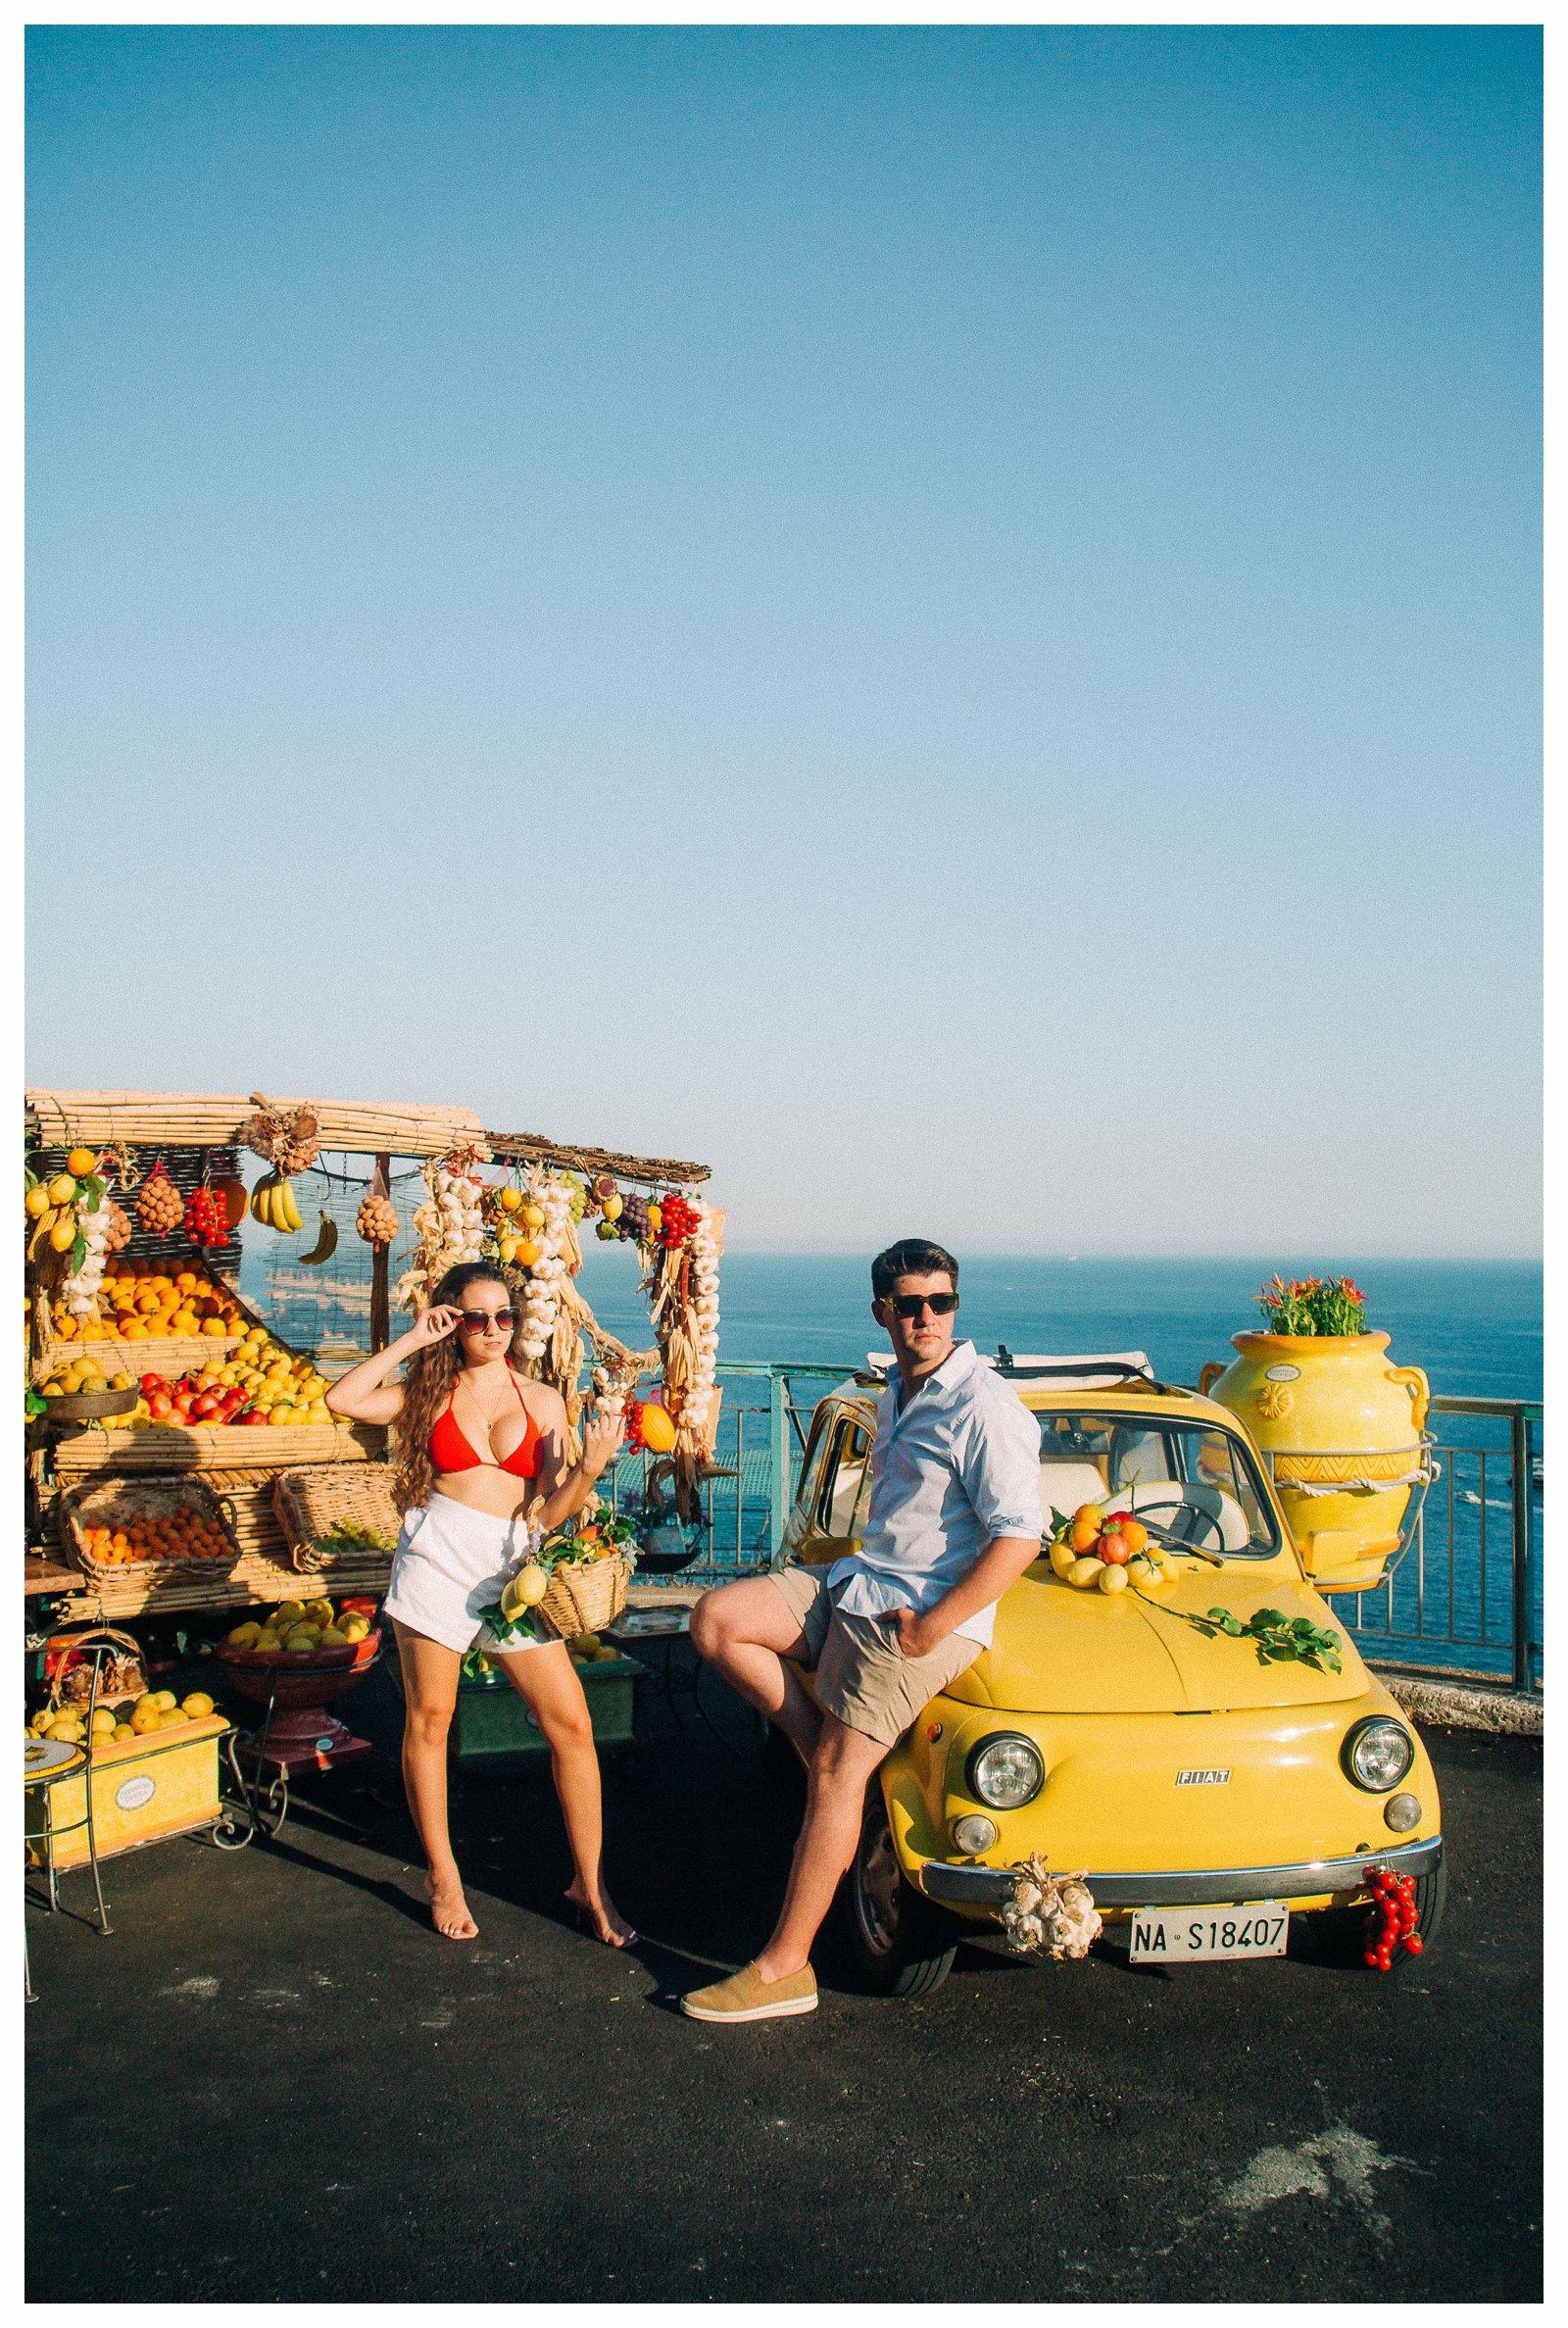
(746,1997)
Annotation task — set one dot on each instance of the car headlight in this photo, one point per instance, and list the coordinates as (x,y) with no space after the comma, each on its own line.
(1377,1754)
(1006,1771)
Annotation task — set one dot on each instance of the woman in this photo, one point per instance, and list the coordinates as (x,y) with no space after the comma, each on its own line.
(478,1443)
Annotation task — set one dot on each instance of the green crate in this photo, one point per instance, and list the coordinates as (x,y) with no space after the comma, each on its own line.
(493,1724)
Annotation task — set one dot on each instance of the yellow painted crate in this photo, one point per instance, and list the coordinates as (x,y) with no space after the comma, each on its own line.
(144,1791)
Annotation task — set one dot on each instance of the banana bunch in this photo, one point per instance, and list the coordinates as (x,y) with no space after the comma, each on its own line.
(272,1203)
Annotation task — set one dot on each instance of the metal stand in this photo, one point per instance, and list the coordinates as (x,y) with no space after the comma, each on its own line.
(665,1679)
(45,1782)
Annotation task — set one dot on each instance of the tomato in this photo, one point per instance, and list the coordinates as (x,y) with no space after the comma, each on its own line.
(203,1406)
(150,1383)
(253,1418)
(1415,1944)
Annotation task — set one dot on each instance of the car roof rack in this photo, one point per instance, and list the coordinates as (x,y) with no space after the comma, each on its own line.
(1114,1371)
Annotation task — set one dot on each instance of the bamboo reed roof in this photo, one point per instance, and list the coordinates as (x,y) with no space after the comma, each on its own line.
(206,1120)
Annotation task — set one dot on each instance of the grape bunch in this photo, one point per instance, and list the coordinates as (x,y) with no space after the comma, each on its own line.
(160,1208)
(378,1220)
(634,1224)
(206,1220)
(676,1221)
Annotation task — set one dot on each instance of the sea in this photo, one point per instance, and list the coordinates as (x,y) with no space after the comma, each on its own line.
(1474,1327)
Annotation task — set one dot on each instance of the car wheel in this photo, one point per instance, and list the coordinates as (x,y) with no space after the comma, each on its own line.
(902,1943)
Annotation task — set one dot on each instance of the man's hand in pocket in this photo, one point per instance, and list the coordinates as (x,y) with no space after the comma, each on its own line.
(919,1631)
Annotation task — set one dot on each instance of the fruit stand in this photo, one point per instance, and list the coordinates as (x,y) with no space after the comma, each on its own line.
(180,1459)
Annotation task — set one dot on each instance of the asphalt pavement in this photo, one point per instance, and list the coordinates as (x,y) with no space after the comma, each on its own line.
(274,2083)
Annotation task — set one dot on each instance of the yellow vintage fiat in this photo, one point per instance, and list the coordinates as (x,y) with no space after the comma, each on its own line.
(1189,1746)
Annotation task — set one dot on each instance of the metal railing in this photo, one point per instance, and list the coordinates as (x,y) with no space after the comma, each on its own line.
(1466,1603)
(745,1501)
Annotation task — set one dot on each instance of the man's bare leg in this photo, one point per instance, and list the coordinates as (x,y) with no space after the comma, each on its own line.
(840,1769)
(746,1631)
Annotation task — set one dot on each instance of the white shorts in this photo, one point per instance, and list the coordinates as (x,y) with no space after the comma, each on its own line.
(450,1563)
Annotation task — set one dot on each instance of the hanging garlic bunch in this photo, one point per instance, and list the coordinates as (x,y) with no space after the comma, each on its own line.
(81,1288)
(556,1240)
(450,1226)
(1050,1914)
(702,1318)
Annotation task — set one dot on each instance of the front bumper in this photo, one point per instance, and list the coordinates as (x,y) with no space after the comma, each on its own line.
(969,1886)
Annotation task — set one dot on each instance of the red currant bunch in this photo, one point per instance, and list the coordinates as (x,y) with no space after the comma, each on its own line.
(205,1222)
(676,1221)
(1391,1920)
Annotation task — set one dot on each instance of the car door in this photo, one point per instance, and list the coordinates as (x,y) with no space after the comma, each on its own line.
(835,1486)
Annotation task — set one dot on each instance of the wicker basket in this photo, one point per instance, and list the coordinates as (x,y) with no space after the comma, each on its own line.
(79,1508)
(585,1595)
(121,1673)
(217,1446)
(311,1505)
(170,1355)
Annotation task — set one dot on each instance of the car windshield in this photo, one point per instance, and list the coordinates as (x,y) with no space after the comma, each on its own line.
(1187,1482)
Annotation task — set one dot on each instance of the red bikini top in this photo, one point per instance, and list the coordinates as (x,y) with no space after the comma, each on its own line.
(450,1450)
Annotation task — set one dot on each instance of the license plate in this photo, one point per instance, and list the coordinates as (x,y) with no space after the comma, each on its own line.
(1197,1935)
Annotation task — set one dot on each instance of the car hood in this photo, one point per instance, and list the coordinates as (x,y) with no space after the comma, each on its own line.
(1058,1651)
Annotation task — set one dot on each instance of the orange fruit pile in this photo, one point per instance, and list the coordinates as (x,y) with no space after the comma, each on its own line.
(142,1305)
(184,1534)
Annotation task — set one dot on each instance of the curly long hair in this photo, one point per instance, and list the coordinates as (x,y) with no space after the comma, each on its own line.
(428,1380)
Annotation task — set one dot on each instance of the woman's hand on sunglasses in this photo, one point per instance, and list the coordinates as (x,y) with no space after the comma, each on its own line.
(433,1326)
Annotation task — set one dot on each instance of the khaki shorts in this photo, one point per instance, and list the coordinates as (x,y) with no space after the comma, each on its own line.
(861,1674)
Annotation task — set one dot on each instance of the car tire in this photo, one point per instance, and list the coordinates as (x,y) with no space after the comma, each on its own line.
(903,1944)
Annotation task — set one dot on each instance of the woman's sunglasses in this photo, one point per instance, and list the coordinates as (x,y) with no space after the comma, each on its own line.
(476,1320)
(910,1305)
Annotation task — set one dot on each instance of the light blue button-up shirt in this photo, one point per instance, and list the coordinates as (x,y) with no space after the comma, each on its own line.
(957,1467)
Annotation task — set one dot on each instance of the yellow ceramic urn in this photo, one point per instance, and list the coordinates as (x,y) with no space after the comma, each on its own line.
(1342,1429)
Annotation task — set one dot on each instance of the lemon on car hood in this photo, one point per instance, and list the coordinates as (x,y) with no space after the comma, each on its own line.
(1057,1651)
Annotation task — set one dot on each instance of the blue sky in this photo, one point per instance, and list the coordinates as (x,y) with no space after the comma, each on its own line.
(945,620)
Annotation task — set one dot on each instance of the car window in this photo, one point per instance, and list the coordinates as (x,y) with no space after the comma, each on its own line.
(1194,1483)
(844,1478)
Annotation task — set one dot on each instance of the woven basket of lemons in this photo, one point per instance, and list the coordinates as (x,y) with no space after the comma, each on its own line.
(589,1574)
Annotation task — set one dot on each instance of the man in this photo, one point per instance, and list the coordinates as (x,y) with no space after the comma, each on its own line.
(953,1521)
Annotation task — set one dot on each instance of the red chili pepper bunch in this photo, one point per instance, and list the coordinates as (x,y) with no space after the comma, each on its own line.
(676,1221)
(205,1220)
(1391,1920)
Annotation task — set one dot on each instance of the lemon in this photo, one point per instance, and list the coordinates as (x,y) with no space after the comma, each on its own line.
(102,1718)
(291,1610)
(1112,1579)
(173,1719)
(334,1637)
(243,1636)
(266,1643)
(197,1705)
(1062,1558)
(282,1418)
(61,1189)
(604,1655)
(1085,1571)
(355,1628)
(145,1718)
(165,1700)
(120,1732)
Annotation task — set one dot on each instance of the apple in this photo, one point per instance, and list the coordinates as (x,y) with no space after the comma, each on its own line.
(1114,1548)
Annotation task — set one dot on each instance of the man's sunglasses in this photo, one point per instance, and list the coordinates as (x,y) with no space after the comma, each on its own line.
(476,1320)
(910,1305)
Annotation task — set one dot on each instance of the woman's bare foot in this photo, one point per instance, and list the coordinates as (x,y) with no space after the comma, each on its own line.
(609,1924)
(449,1911)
